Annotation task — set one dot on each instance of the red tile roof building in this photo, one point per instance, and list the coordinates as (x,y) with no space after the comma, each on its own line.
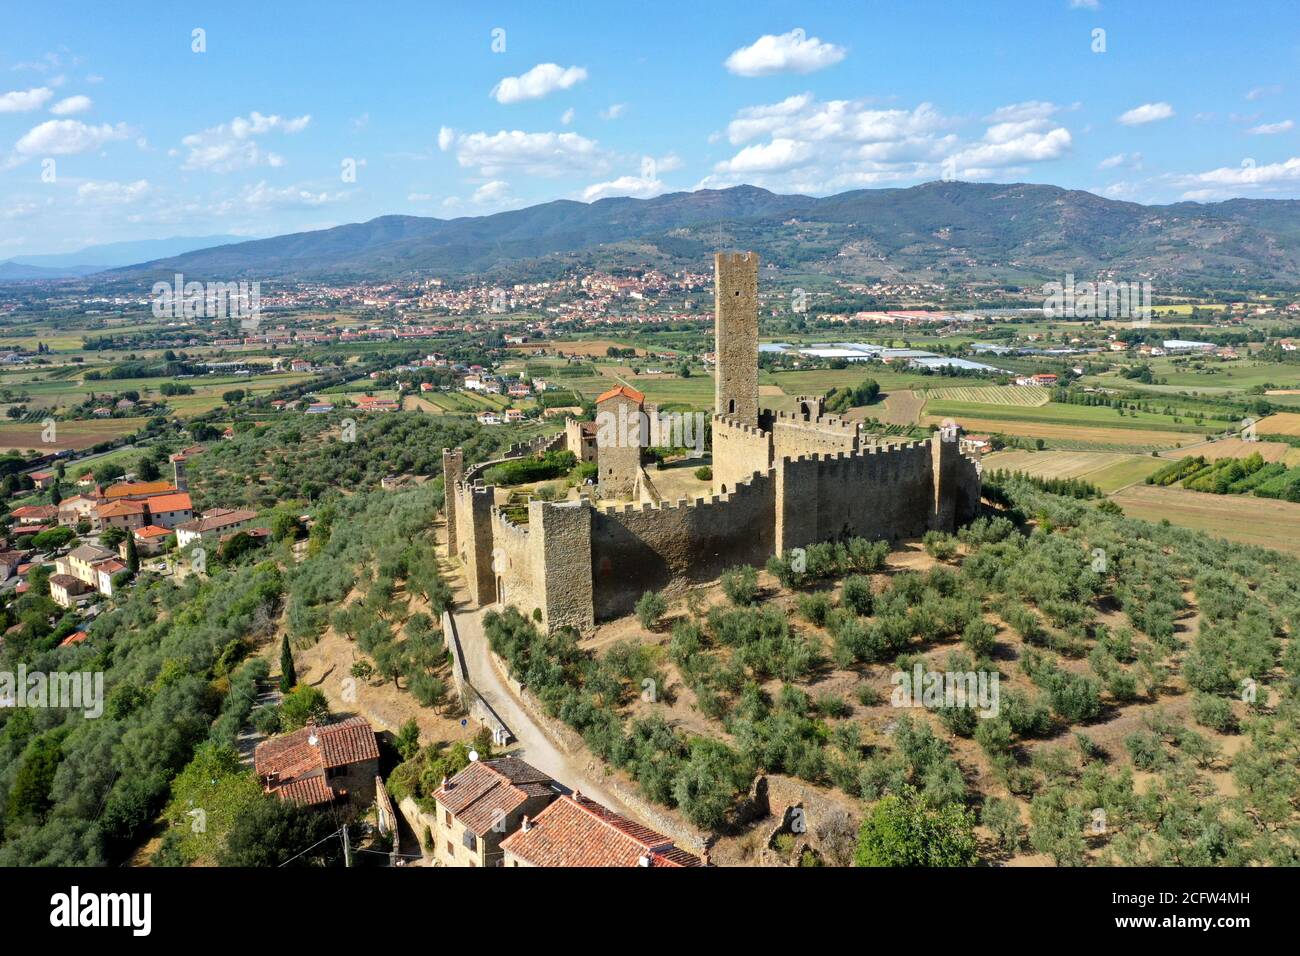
(576,831)
(482,804)
(321,763)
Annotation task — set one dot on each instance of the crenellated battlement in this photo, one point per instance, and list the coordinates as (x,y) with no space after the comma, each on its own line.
(781,479)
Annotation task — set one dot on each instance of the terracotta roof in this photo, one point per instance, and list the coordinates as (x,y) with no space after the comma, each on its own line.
(306,792)
(338,744)
(576,831)
(76,637)
(176,501)
(625,390)
(35,511)
(486,790)
(111,566)
(139,488)
(120,509)
(151,531)
(218,518)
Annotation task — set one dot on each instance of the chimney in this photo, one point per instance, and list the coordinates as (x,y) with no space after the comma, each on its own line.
(524,824)
(643,860)
(704,858)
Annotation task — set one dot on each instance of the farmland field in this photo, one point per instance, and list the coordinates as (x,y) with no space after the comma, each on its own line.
(1282,423)
(1093,438)
(1270,451)
(1027,395)
(1260,521)
(1055,413)
(1107,470)
(72,434)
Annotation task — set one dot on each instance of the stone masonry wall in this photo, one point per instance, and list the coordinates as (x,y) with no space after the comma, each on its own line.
(639,548)
(735,324)
(739,450)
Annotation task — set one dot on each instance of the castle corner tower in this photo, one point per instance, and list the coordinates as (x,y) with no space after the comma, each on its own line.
(735,330)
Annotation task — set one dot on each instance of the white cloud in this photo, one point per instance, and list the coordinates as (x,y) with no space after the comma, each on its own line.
(768,157)
(1232,180)
(1259,92)
(112,193)
(446,136)
(805,145)
(639,187)
(613,111)
(230,146)
(262,196)
(1131,160)
(567,116)
(1146,113)
(66,137)
(792,52)
(539,154)
(1084,5)
(492,192)
(541,80)
(419,197)
(1270,129)
(71,105)
(21,101)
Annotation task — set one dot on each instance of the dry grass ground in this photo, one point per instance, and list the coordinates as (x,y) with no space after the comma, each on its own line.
(1270,451)
(1282,423)
(1107,470)
(72,434)
(1243,518)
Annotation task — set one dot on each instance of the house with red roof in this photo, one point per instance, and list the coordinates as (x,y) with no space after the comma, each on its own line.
(577,831)
(35,514)
(481,805)
(321,764)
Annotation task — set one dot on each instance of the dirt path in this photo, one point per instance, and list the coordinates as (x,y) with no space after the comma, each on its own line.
(533,745)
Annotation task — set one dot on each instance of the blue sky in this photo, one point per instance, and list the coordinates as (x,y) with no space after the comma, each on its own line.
(112,127)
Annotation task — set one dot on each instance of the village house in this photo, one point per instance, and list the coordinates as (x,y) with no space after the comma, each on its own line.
(67,591)
(976,444)
(43,479)
(76,509)
(321,764)
(34,514)
(81,562)
(212,526)
(10,561)
(127,515)
(577,831)
(149,540)
(483,803)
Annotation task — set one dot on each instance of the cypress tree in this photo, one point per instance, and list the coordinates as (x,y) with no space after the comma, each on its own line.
(288,677)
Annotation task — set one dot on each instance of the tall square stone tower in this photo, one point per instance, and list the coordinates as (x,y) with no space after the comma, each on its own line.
(621,433)
(735,330)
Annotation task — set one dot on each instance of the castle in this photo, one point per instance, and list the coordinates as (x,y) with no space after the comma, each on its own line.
(780,481)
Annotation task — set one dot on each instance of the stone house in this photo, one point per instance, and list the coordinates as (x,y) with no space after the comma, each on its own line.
(481,805)
(321,764)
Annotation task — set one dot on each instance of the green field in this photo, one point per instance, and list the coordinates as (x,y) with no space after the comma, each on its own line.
(1054,413)
(1024,395)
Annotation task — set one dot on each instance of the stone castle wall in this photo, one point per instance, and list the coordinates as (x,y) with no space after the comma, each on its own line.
(668,547)
(780,481)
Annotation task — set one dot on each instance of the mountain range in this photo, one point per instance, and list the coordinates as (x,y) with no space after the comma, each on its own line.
(939,231)
(92,259)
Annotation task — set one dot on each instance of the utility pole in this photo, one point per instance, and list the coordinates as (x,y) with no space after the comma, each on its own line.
(347,848)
